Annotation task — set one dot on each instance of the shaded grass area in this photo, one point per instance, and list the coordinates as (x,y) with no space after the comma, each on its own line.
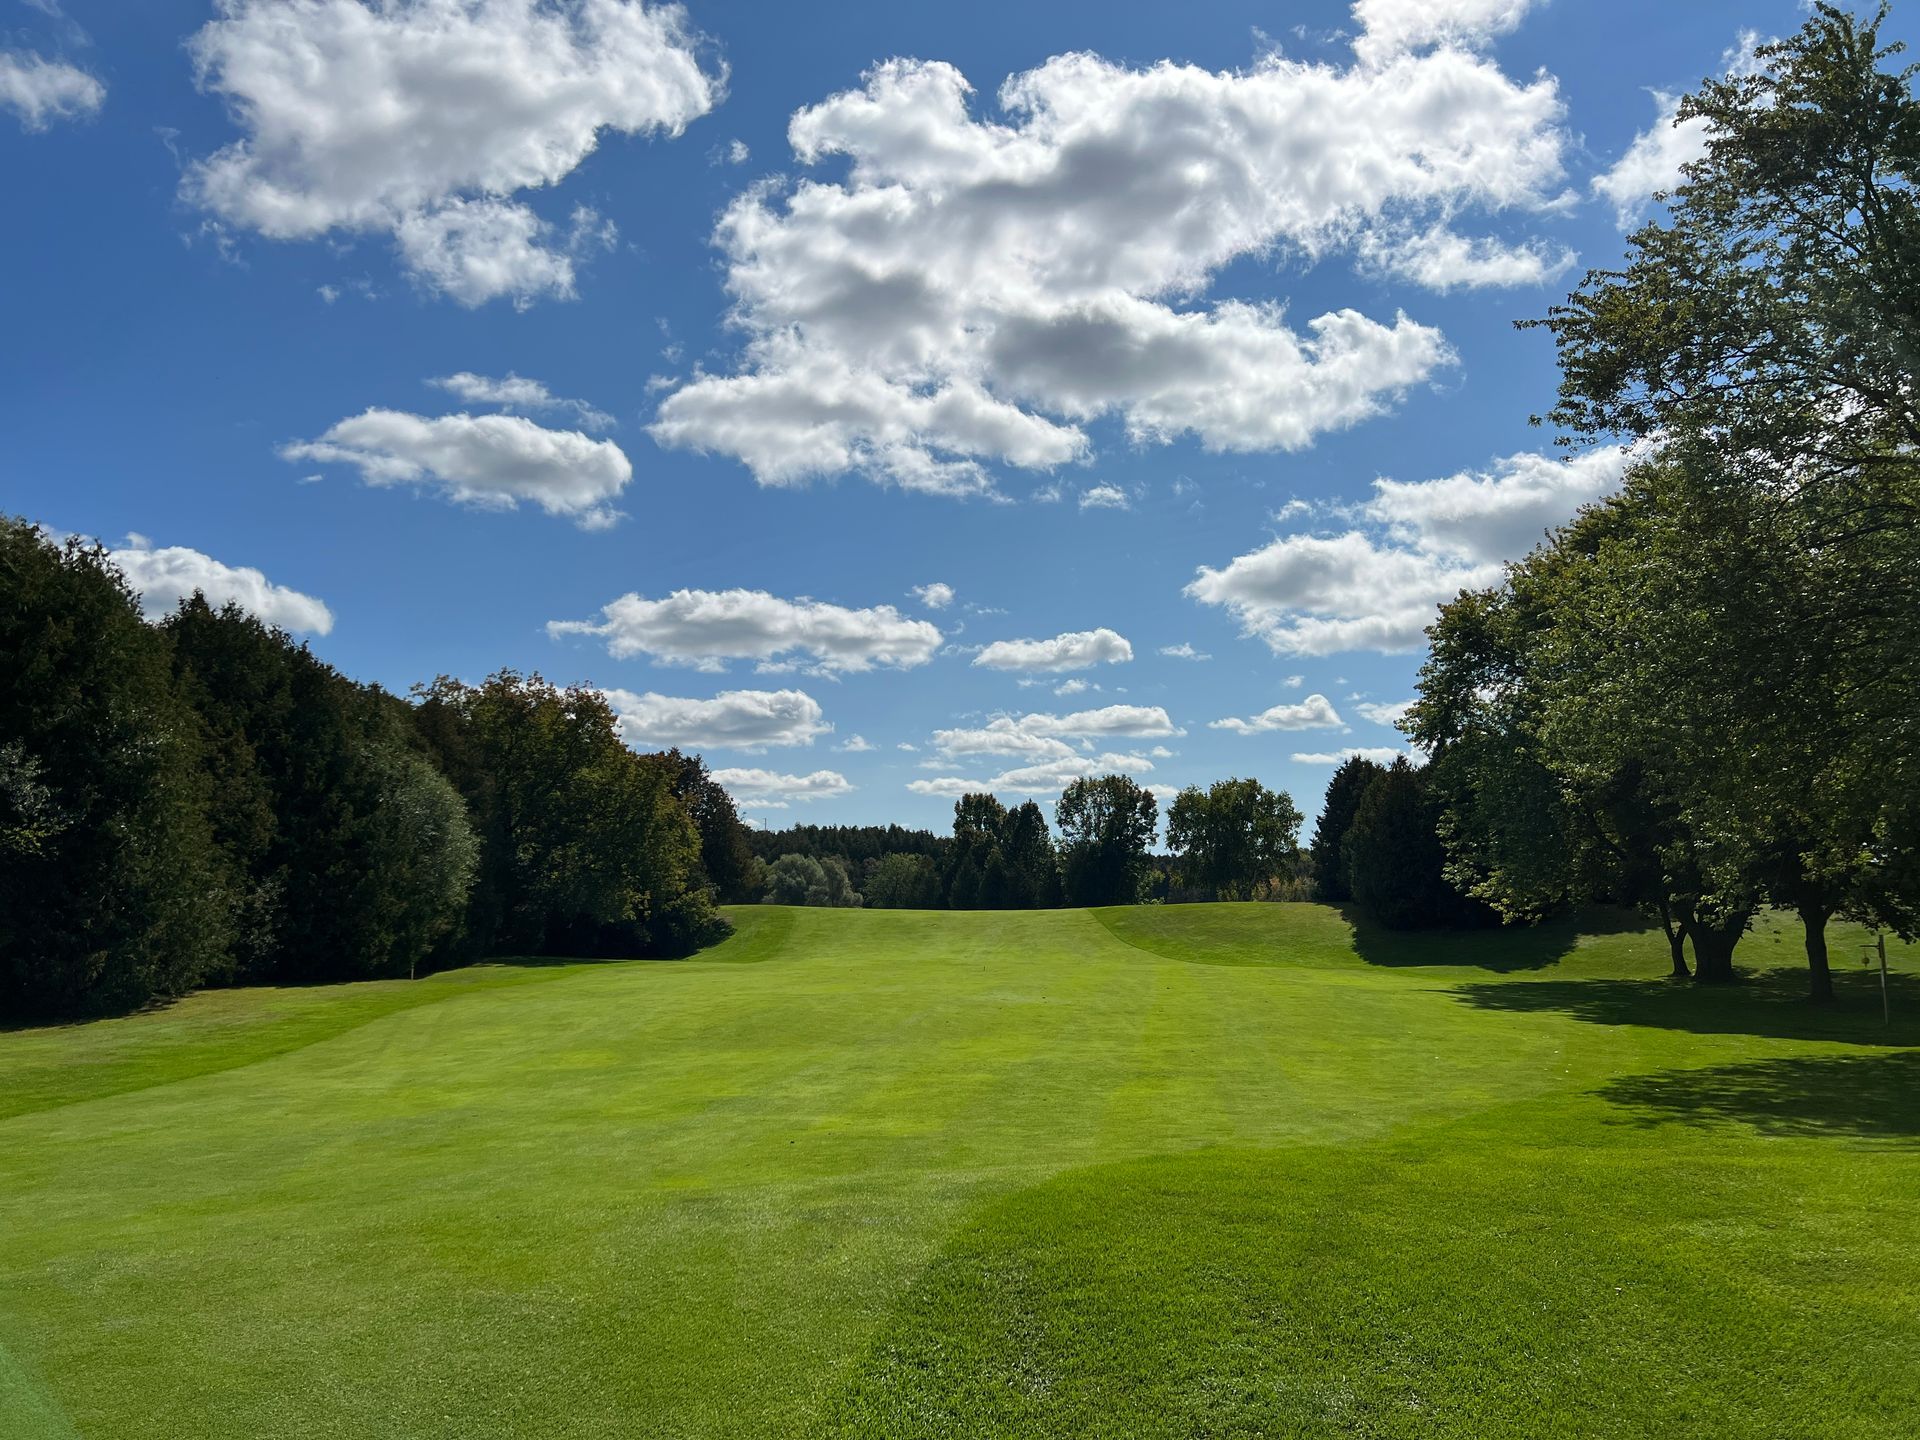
(1193,1170)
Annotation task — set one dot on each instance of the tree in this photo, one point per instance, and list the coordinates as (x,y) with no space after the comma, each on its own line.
(586,848)
(1106,825)
(1763,335)
(1234,839)
(725,859)
(902,882)
(977,874)
(792,878)
(1395,860)
(1774,308)
(111,889)
(348,854)
(803,880)
(1349,783)
(1032,865)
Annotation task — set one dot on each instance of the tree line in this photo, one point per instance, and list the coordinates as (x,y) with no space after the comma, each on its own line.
(1700,695)
(205,802)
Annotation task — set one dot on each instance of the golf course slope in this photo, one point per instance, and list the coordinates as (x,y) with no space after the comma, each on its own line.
(1196,1171)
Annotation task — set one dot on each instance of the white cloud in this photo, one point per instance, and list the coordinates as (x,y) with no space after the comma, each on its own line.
(1073,687)
(516,392)
(1390,29)
(1316,712)
(1046,777)
(420,118)
(733,719)
(1379,589)
(707,628)
(1045,737)
(1388,715)
(1655,163)
(1442,260)
(474,251)
(494,461)
(1484,516)
(935,596)
(769,789)
(1105,497)
(1379,754)
(166,576)
(980,288)
(1076,650)
(1184,651)
(41,91)
(737,152)
(855,745)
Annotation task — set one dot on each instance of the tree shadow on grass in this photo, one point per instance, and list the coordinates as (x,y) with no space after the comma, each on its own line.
(1771,1003)
(1873,1097)
(1501,949)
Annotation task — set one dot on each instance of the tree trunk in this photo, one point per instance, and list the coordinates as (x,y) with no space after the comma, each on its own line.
(1813,919)
(1713,943)
(1676,928)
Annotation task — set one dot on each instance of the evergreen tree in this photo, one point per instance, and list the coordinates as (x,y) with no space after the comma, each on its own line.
(1327,852)
(111,888)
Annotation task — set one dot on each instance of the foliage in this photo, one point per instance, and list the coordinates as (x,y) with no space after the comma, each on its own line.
(1344,790)
(348,854)
(1106,827)
(1234,840)
(111,888)
(803,880)
(586,848)
(1396,865)
(902,882)
(726,863)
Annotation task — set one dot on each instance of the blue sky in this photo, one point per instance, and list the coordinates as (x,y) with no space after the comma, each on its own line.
(750,324)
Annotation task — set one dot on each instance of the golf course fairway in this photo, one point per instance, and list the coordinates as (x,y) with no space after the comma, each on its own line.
(1192,1171)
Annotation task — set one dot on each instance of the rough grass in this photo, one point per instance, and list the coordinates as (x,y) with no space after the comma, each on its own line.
(1184,1171)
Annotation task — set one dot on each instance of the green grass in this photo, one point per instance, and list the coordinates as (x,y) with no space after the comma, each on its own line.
(1168,1171)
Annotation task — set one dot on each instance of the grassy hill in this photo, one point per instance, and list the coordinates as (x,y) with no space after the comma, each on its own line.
(1166,1171)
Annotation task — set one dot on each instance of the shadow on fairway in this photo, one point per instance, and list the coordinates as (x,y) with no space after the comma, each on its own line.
(1502,950)
(1772,1003)
(1873,1097)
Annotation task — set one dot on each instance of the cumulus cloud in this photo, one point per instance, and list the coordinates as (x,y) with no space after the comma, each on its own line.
(421,118)
(1390,29)
(1486,516)
(1043,736)
(1379,754)
(708,628)
(517,393)
(769,789)
(1316,712)
(41,91)
(1379,588)
(1184,651)
(167,575)
(978,289)
(731,720)
(936,596)
(1389,715)
(855,745)
(492,461)
(1656,162)
(1105,497)
(479,250)
(1046,777)
(1075,650)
